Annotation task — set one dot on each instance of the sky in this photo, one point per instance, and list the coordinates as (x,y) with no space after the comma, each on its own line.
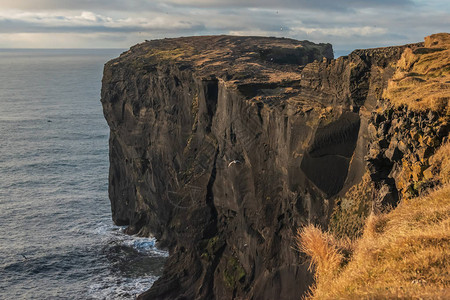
(347,24)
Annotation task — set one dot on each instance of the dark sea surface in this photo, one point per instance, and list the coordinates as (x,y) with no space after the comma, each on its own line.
(57,240)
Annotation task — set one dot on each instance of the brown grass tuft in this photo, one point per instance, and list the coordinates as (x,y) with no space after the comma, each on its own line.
(322,249)
(441,161)
(375,225)
(402,254)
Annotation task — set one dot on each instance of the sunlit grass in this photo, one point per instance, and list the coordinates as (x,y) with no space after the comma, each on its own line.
(422,77)
(402,254)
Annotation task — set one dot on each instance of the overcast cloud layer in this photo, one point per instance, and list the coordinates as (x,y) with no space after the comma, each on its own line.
(347,24)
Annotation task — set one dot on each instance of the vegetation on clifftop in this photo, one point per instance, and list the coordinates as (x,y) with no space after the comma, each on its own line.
(422,77)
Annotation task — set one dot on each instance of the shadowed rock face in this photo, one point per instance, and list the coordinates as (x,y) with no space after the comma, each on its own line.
(223,146)
(326,161)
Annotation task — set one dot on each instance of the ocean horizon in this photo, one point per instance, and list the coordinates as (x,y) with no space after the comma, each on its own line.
(57,239)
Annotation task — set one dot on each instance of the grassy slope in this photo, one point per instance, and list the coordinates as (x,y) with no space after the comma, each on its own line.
(422,78)
(404,253)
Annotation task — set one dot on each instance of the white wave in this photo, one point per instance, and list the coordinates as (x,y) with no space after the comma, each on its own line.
(107,229)
(145,246)
(113,233)
(118,285)
(114,288)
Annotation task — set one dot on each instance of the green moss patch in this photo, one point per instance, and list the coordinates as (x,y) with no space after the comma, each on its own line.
(234,272)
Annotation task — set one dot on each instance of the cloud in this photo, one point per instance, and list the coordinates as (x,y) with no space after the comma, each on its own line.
(91,22)
(346,24)
(295,4)
(342,31)
(63,40)
(140,5)
(52,5)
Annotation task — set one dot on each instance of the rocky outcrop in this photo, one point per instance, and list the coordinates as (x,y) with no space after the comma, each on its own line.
(223,146)
(403,141)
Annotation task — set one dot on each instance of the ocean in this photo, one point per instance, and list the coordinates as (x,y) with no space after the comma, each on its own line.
(57,240)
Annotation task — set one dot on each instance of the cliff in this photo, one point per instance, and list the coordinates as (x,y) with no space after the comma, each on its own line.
(223,146)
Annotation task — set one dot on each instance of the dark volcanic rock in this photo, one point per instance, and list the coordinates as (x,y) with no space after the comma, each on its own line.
(223,146)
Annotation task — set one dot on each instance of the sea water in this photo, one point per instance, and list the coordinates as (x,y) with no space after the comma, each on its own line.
(57,240)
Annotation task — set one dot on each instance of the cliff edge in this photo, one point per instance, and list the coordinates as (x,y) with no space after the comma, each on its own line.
(222,147)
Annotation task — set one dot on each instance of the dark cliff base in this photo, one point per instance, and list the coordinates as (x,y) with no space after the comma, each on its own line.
(222,147)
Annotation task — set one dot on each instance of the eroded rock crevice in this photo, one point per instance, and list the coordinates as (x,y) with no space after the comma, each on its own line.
(327,160)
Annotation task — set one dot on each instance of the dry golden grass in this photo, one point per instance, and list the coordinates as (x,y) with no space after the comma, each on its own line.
(441,163)
(422,77)
(402,254)
(322,248)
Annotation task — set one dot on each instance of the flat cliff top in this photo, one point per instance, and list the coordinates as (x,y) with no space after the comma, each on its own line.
(234,59)
(272,69)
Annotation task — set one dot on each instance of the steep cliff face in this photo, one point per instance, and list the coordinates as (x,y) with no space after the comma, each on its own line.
(223,146)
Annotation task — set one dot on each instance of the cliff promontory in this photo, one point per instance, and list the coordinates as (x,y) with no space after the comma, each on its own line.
(222,147)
